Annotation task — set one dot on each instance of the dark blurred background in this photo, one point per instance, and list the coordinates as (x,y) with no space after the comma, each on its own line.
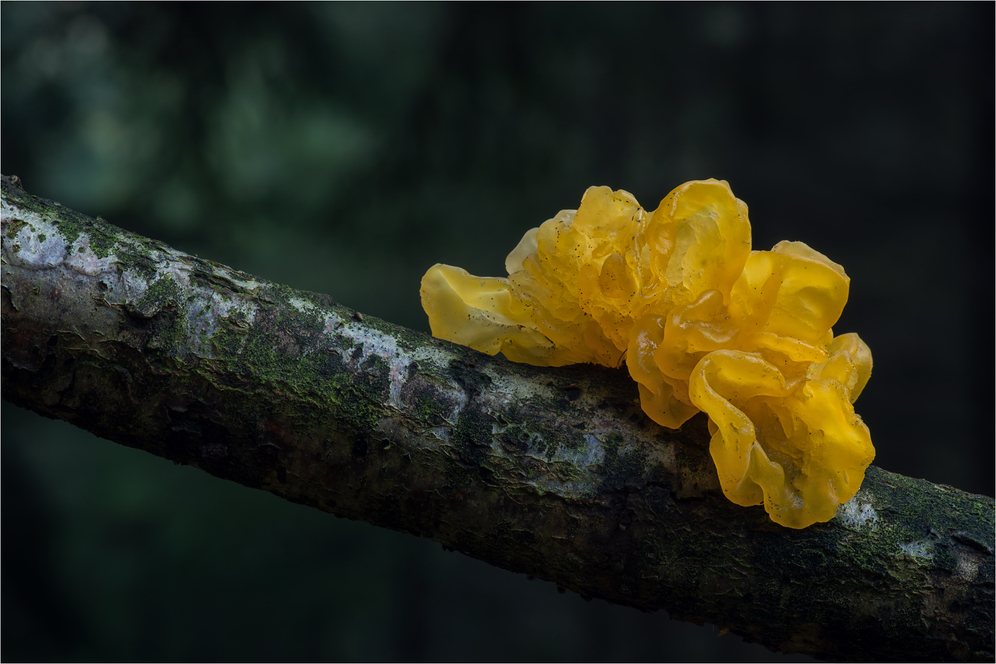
(345,148)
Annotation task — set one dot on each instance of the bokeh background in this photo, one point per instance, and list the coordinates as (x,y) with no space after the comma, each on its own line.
(344,148)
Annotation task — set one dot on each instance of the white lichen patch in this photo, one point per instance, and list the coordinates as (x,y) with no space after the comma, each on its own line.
(590,454)
(562,465)
(371,343)
(301,305)
(858,513)
(967,567)
(921,549)
(228,274)
(82,259)
(226,307)
(206,313)
(507,389)
(441,434)
(37,245)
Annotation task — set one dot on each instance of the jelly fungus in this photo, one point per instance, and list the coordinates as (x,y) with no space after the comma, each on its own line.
(702,323)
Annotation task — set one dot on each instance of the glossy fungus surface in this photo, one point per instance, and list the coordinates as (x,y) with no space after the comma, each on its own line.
(701,321)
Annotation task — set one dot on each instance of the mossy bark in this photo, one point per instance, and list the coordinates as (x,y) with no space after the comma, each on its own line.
(555,473)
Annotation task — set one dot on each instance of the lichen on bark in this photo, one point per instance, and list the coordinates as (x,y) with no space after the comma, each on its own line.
(551,472)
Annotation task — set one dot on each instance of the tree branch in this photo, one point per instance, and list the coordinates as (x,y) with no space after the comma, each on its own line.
(555,473)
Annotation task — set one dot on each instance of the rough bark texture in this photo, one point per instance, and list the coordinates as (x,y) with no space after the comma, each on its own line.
(555,473)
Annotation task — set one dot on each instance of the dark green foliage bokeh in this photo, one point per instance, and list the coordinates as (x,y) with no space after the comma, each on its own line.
(345,148)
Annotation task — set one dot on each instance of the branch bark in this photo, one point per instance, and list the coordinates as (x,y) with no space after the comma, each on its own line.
(555,473)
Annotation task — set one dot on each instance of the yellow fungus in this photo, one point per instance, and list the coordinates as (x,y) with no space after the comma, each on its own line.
(702,322)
